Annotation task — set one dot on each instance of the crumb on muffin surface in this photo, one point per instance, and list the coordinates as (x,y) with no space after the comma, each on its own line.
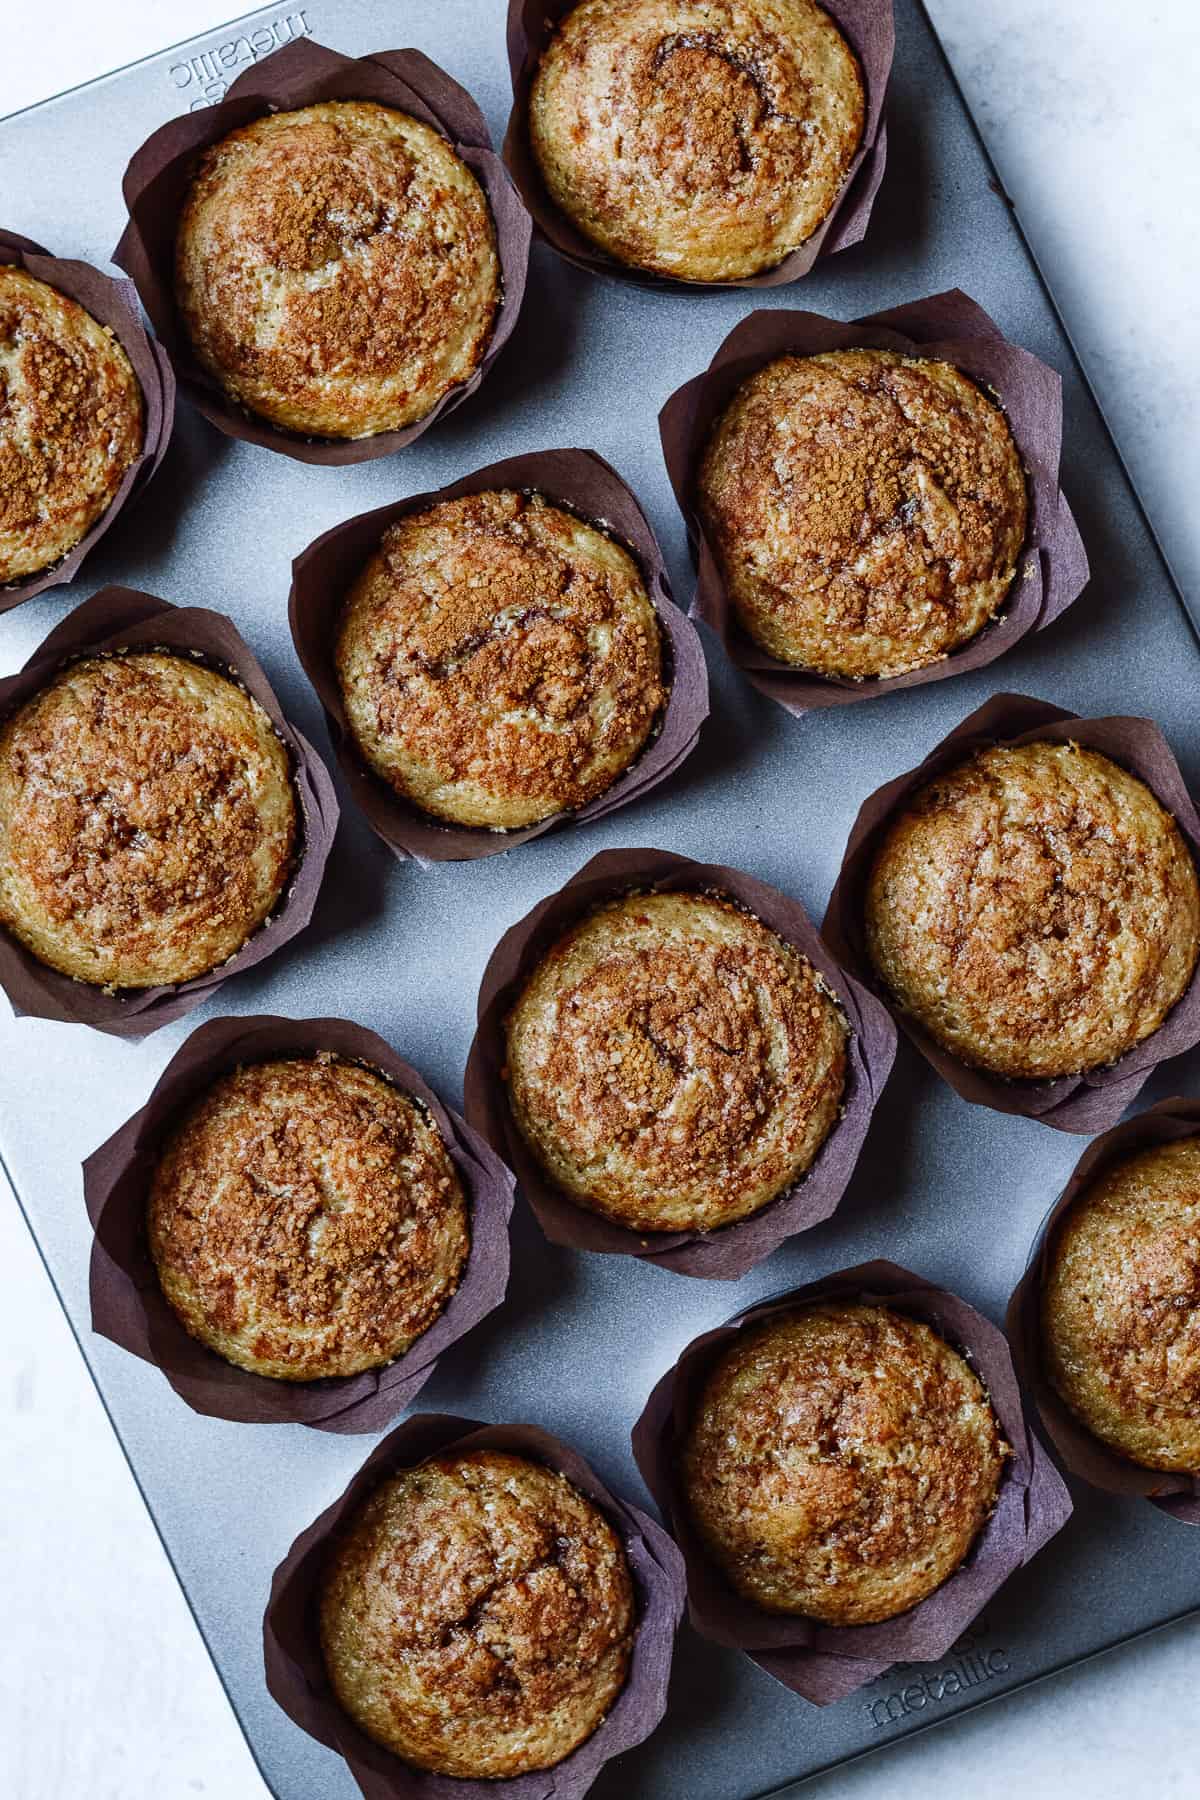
(337,268)
(71,422)
(674,1064)
(700,139)
(1121,1307)
(147,819)
(306,1220)
(500,660)
(1035,909)
(840,1462)
(478,1615)
(867,510)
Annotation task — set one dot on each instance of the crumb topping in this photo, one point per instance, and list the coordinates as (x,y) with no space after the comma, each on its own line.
(867,510)
(306,1220)
(674,1064)
(704,139)
(1036,910)
(147,820)
(337,268)
(71,422)
(1121,1307)
(478,1616)
(500,660)
(841,1462)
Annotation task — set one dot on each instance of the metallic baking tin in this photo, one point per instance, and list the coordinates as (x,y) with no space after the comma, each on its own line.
(952,1190)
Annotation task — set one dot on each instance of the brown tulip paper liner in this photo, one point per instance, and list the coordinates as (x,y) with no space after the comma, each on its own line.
(304,73)
(1095,1099)
(113,303)
(118,619)
(588,486)
(1078,1450)
(826,1662)
(868,27)
(128,1305)
(1053,568)
(727,1253)
(295,1668)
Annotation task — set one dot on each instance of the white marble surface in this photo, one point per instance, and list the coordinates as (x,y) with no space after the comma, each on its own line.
(105,1688)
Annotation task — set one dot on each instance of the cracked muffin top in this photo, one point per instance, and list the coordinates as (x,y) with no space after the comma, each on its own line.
(306,1220)
(336,268)
(840,1462)
(1121,1307)
(499,660)
(71,422)
(673,1064)
(867,510)
(477,1617)
(147,820)
(700,139)
(1035,910)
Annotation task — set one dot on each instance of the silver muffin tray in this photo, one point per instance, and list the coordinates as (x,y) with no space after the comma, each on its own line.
(951,1190)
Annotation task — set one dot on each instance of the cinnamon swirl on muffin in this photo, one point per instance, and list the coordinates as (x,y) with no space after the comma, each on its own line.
(499,660)
(841,1461)
(867,510)
(700,139)
(336,268)
(674,1064)
(478,1615)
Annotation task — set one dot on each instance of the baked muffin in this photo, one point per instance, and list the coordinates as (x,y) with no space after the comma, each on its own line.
(701,139)
(673,1064)
(499,660)
(477,1617)
(1121,1307)
(306,1220)
(867,510)
(336,268)
(71,422)
(147,820)
(1035,910)
(841,1462)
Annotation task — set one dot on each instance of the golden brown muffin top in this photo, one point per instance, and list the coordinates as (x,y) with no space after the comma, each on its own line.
(841,1461)
(1036,910)
(867,509)
(336,268)
(703,139)
(1121,1307)
(478,1616)
(673,1063)
(306,1220)
(70,422)
(147,820)
(499,659)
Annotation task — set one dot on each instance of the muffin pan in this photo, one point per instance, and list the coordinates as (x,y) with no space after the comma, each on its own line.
(951,1190)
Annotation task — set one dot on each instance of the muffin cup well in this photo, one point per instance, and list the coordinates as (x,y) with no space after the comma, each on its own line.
(727,1253)
(113,303)
(585,484)
(295,1668)
(1053,569)
(303,73)
(1095,1099)
(868,27)
(1082,1453)
(121,618)
(827,1662)
(128,1305)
